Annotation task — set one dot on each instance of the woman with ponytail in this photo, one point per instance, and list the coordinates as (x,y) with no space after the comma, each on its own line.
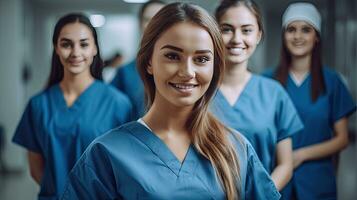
(177,150)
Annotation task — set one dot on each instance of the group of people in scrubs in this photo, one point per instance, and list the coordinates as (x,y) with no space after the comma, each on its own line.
(210,128)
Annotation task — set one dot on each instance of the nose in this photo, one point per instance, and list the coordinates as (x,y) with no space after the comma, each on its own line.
(75,51)
(187,70)
(236,37)
(297,34)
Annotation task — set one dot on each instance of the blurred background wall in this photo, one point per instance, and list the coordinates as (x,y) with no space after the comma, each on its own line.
(25,52)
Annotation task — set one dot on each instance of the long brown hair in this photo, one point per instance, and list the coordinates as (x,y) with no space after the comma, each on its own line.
(317,78)
(209,136)
(57,71)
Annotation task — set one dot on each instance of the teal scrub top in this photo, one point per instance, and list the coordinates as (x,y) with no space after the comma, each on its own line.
(131,162)
(316,179)
(263,113)
(61,134)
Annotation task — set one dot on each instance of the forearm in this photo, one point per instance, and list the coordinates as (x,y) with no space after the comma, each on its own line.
(281,175)
(324,149)
(36,176)
(284,164)
(36,164)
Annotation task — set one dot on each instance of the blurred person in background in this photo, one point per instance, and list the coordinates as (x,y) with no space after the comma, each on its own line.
(254,105)
(74,108)
(127,78)
(321,99)
(111,66)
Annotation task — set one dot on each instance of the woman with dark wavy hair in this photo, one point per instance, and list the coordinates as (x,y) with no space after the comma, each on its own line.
(76,107)
(177,150)
(321,99)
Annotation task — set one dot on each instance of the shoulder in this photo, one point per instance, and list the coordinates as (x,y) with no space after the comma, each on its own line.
(42,98)
(269,72)
(127,67)
(330,73)
(110,92)
(120,136)
(268,84)
(333,79)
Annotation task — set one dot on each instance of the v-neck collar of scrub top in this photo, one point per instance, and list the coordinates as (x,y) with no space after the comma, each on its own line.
(161,150)
(298,83)
(243,94)
(81,99)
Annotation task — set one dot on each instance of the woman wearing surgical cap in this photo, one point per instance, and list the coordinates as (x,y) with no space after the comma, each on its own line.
(322,100)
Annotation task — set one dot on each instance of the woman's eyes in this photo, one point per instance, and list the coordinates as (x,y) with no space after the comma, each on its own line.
(197,59)
(226,29)
(247,31)
(65,44)
(202,59)
(290,29)
(172,56)
(306,30)
(70,45)
(84,44)
(303,30)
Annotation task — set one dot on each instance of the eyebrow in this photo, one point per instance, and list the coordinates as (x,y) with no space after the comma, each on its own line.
(172,47)
(181,50)
(231,26)
(225,24)
(68,40)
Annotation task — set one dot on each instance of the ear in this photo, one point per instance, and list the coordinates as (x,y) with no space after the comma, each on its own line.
(259,37)
(149,68)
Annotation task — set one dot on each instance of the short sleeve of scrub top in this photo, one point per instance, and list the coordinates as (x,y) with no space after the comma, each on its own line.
(343,104)
(26,135)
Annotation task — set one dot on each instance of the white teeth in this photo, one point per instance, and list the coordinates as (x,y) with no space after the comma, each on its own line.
(181,86)
(236,50)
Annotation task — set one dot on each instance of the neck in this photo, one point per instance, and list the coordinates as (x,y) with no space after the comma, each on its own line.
(165,118)
(236,75)
(75,84)
(300,65)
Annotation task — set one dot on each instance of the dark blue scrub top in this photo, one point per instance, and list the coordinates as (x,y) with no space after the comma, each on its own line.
(316,179)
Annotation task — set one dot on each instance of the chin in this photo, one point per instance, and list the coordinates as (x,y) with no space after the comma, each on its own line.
(299,54)
(184,102)
(76,70)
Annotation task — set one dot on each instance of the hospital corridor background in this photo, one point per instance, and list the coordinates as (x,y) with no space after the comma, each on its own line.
(26,28)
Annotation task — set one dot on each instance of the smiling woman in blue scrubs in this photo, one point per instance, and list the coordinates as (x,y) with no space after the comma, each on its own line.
(178,150)
(76,107)
(322,101)
(256,106)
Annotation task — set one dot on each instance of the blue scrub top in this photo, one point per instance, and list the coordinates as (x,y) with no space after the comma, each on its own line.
(263,113)
(316,179)
(131,162)
(61,134)
(127,80)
